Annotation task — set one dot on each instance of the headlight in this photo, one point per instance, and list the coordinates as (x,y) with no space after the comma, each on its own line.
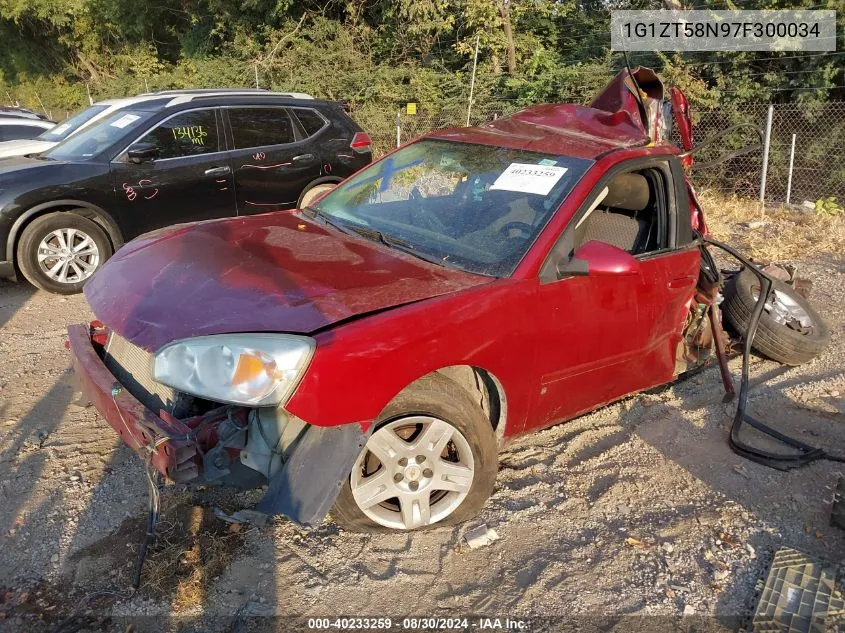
(252,369)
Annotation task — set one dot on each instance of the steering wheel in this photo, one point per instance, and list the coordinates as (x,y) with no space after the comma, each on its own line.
(525,229)
(429,219)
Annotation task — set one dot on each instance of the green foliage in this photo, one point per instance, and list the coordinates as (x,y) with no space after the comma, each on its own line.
(376,55)
(829,207)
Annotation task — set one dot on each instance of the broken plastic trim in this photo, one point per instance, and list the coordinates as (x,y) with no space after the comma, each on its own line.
(804,453)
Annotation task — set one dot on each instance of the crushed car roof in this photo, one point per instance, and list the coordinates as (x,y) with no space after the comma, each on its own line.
(574,130)
(612,121)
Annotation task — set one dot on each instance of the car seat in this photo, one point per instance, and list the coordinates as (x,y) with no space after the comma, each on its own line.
(610,223)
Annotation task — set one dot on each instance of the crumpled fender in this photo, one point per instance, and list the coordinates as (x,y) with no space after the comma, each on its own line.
(307,485)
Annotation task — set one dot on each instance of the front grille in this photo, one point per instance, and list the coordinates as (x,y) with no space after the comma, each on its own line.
(133,368)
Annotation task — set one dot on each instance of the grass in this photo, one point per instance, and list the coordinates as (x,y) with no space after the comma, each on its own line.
(786,236)
(191,549)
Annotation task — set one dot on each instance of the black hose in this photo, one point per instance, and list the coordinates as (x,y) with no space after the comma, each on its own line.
(804,453)
(154,481)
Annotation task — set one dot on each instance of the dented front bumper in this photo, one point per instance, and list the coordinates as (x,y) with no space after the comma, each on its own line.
(303,488)
(140,428)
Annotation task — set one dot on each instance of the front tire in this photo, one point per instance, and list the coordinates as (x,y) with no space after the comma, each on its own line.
(431,461)
(58,252)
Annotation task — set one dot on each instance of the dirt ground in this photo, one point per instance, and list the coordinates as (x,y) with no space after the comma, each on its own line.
(637,509)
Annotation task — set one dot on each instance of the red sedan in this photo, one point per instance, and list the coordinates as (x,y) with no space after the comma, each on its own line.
(369,354)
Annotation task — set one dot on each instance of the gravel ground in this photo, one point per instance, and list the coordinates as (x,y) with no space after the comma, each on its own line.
(637,509)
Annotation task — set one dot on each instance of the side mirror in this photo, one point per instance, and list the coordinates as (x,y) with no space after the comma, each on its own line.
(142,153)
(598,258)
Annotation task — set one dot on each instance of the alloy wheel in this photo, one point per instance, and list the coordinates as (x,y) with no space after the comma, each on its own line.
(68,256)
(413,472)
(784,310)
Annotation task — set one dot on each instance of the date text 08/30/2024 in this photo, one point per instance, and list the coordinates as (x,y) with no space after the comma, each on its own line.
(422,623)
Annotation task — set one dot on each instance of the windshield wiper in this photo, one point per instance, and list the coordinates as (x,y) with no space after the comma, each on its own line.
(373,235)
(326,218)
(397,243)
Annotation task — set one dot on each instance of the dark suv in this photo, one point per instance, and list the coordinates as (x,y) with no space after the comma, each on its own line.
(186,156)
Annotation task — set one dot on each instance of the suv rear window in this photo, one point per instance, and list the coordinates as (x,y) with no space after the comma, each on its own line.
(310,119)
(258,127)
(186,134)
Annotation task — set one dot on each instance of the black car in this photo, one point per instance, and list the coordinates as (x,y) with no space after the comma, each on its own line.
(188,156)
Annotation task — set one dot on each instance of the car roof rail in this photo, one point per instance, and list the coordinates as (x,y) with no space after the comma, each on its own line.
(188,91)
(184,97)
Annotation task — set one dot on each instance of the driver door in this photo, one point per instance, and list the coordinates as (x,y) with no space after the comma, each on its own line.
(602,334)
(189,180)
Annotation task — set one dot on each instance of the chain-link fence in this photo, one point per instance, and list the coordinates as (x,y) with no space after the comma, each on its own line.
(819,129)
(402,127)
(817,172)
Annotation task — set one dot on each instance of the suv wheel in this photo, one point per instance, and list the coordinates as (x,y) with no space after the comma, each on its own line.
(313,193)
(59,251)
(431,462)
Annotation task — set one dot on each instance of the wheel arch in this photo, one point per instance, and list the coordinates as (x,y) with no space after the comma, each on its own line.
(85,209)
(322,180)
(483,387)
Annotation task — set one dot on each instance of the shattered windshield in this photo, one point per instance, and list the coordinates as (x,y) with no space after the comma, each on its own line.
(473,207)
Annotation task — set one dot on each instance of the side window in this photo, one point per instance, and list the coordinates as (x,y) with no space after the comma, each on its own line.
(187,134)
(631,212)
(15,132)
(311,121)
(258,127)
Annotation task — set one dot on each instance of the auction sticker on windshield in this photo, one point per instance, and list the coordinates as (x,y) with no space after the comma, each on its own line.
(528,178)
(125,120)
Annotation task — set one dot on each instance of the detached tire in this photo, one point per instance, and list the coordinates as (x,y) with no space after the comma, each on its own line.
(426,442)
(58,252)
(790,330)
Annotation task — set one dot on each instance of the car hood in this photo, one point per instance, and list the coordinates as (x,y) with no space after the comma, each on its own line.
(21,147)
(276,272)
(16,169)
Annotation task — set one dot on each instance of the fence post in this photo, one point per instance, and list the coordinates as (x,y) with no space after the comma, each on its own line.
(789,178)
(398,129)
(472,82)
(766,140)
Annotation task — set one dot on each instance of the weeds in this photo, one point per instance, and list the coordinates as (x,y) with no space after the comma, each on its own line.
(776,235)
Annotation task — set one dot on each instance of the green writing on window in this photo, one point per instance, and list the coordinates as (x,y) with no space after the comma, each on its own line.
(194,133)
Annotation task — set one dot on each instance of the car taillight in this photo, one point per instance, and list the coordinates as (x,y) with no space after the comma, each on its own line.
(361,142)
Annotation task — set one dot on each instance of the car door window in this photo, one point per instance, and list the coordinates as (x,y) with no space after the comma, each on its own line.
(186,134)
(311,120)
(631,213)
(15,132)
(260,127)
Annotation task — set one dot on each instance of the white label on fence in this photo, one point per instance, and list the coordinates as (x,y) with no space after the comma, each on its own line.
(529,178)
(125,120)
